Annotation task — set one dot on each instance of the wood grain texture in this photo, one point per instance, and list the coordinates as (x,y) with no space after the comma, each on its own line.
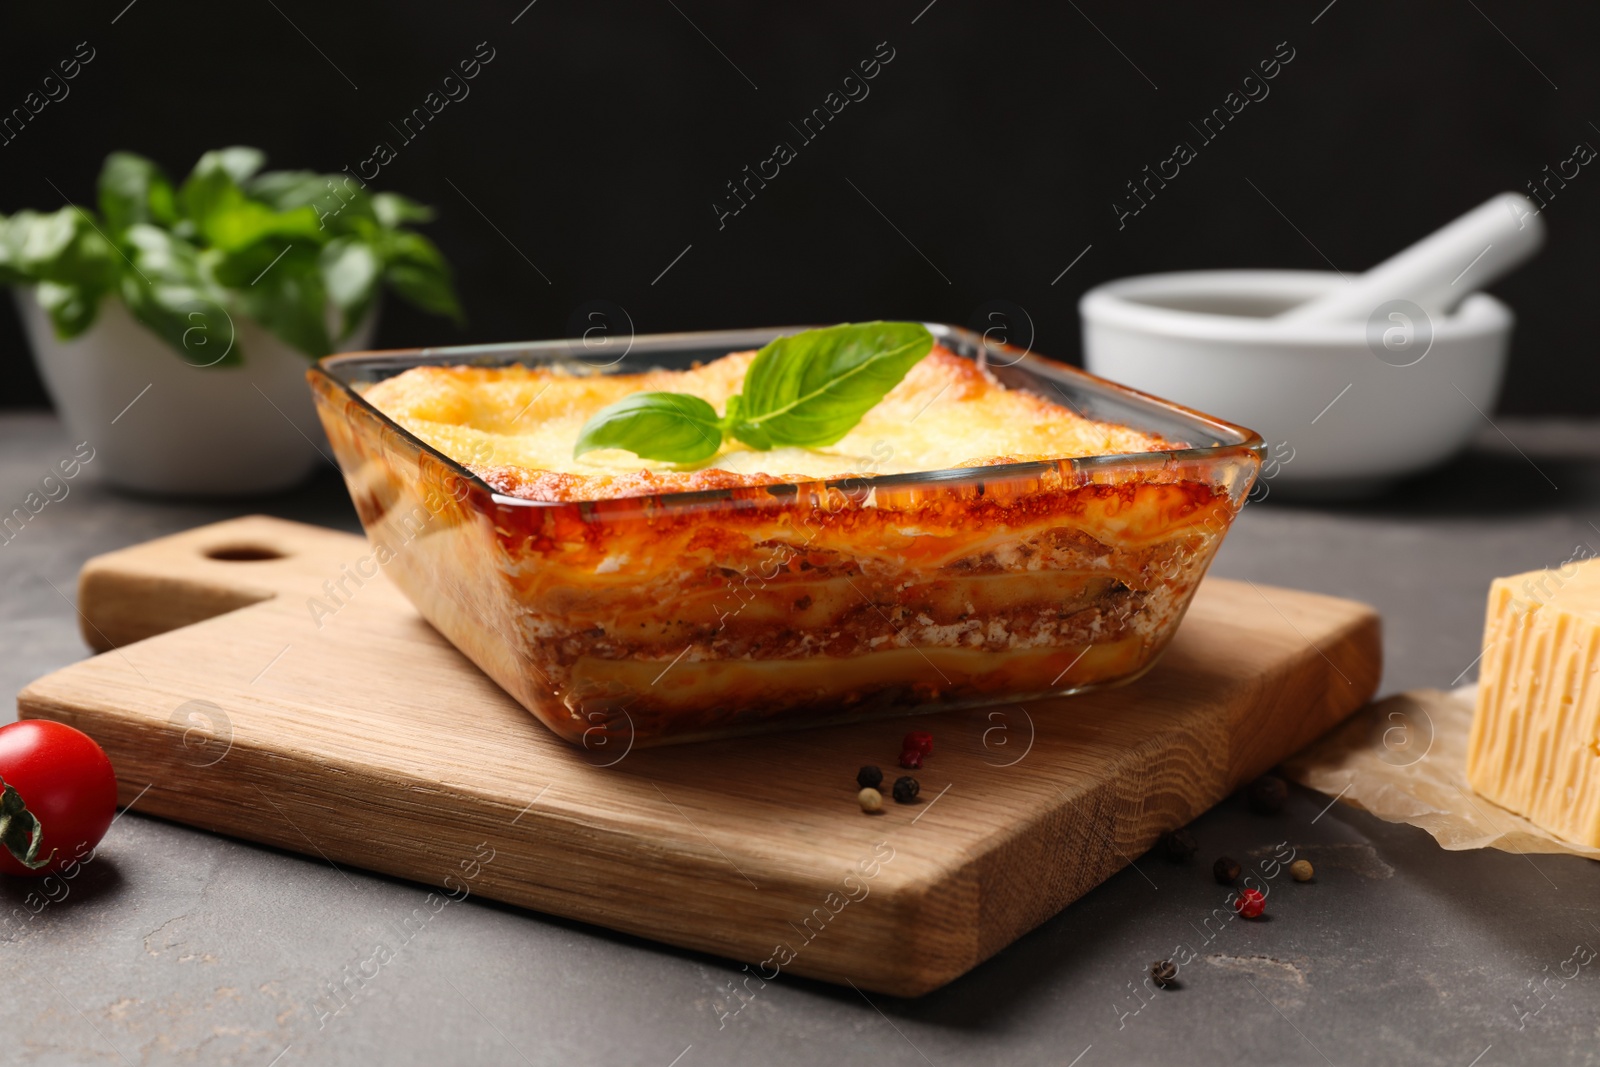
(364,738)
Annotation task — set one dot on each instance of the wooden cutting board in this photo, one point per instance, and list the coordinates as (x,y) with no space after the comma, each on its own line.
(369,741)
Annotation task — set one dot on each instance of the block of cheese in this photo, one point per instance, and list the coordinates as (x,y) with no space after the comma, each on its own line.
(1535,743)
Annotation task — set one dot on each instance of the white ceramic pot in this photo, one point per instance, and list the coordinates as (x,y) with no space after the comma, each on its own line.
(1356,404)
(161,421)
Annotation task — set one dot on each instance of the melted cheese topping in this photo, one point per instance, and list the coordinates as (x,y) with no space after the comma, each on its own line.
(516,426)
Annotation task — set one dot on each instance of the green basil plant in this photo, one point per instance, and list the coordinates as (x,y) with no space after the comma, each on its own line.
(278,246)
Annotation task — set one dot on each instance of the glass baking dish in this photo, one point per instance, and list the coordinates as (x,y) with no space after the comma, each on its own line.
(680,616)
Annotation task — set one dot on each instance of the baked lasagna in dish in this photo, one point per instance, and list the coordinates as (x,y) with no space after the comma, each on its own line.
(966,542)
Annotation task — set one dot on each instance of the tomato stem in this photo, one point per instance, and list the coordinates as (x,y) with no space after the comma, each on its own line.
(20,830)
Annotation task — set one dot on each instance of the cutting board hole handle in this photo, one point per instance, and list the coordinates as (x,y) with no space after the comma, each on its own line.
(243,553)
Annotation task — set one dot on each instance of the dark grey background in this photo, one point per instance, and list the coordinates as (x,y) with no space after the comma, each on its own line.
(995,143)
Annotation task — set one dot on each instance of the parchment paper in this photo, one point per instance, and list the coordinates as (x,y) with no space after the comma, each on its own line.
(1404,759)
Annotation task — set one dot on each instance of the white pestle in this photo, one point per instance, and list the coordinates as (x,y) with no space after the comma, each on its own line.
(1440,270)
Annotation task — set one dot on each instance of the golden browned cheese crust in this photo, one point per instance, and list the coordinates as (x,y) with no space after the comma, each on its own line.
(515,427)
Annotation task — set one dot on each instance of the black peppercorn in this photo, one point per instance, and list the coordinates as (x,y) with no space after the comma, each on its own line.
(906,789)
(1267,795)
(1164,973)
(1225,870)
(1178,846)
(869,777)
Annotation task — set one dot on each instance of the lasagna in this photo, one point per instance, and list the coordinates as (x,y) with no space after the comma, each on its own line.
(666,602)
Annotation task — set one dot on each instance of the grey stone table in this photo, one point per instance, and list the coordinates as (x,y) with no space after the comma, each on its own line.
(176,946)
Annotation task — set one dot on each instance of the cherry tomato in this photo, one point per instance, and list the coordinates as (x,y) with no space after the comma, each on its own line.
(58,800)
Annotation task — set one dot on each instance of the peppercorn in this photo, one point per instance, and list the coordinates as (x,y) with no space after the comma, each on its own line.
(921,740)
(871,800)
(869,777)
(1225,870)
(1301,870)
(1178,846)
(1164,973)
(911,759)
(1250,903)
(1267,794)
(906,789)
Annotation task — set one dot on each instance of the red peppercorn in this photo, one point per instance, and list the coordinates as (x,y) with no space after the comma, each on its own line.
(921,740)
(911,759)
(1250,903)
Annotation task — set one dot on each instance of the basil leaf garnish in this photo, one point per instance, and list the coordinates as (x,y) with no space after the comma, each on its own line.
(811,389)
(675,427)
(806,390)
